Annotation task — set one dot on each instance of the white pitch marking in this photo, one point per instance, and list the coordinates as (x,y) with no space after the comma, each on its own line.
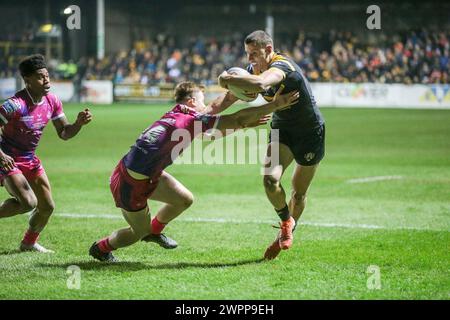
(373,179)
(222,220)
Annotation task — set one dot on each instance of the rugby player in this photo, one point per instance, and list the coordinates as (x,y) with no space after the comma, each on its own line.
(140,174)
(23,117)
(301,130)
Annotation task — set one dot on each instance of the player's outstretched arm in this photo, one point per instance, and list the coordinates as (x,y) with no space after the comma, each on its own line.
(250,117)
(221,103)
(66,130)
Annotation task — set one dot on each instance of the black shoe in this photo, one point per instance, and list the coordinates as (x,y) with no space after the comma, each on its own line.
(162,240)
(95,252)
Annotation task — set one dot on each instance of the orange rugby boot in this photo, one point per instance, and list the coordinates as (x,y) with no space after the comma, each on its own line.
(286,238)
(273,250)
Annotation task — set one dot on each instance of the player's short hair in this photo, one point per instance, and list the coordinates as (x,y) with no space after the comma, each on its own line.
(184,90)
(31,63)
(259,38)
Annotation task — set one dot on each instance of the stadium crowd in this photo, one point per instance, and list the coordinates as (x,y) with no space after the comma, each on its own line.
(411,57)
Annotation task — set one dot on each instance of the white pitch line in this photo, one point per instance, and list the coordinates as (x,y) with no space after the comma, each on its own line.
(374,179)
(222,220)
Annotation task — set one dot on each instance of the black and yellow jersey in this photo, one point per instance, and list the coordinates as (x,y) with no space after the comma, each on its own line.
(305,114)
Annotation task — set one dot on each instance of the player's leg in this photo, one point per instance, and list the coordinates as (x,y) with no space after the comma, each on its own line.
(276,193)
(23,199)
(176,198)
(139,226)
(40,215)
(277,196)
(308,153)
(301,180)
(45,206)
(273,173)
(130,195)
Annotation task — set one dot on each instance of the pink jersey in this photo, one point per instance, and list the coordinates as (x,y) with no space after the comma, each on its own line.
(23,122)
(153,150)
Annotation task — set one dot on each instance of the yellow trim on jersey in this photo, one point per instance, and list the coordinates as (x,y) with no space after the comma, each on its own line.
(276,57)
(279,57)
(136,175)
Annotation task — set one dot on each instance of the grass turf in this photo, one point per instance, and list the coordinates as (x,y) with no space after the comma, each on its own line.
(401,226)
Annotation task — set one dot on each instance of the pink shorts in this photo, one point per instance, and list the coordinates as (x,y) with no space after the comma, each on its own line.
(128,193)
(30,168)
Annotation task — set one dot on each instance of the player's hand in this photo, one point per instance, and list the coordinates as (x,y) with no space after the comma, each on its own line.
(84,117)
(285,100)
(259,122)
(184,109)
(6,162)
(223,77)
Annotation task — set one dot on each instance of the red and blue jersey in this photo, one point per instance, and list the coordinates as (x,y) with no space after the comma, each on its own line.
(23,122)
(160,144)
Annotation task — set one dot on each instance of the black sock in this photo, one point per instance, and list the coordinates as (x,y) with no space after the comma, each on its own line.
(283,213)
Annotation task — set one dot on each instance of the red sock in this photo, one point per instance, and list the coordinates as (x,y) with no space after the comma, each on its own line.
(104,245)
(30,237)
(157,226)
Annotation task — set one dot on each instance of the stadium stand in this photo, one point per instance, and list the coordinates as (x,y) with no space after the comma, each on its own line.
(413,57)
(420,56)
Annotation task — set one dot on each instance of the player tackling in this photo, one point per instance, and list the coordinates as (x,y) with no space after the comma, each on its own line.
(140,174)
(23,117)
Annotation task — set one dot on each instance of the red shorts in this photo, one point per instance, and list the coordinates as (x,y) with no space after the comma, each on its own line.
(31,169)
(128,193)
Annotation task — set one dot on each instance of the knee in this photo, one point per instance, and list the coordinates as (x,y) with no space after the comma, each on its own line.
(271,183)
(184,201)
(140,233)
(46,208)
(29,202)
(187,201)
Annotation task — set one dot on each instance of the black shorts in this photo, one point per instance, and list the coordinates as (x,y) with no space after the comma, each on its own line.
(307,147)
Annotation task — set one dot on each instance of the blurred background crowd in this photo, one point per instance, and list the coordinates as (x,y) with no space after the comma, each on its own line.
(421,56)
(154,42)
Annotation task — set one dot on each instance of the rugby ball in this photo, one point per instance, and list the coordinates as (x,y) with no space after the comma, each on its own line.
(238,92)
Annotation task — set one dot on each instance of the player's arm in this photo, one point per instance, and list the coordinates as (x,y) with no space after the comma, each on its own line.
(7,111)
(221,103)
(250,117)
(66,130)
(6,162)
(253,83)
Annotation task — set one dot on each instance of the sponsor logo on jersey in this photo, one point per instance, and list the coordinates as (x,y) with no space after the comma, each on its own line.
(152,135)
(309,156)
(10,106)
(169,121)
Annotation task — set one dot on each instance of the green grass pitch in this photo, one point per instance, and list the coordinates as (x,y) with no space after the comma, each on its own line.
(401,226)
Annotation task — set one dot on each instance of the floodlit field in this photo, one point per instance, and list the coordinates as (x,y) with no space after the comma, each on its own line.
(379,206)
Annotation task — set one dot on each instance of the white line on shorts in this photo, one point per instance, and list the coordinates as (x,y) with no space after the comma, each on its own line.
(374,179)
(238,221)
